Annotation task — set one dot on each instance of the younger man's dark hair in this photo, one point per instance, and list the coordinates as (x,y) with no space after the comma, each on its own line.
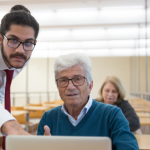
(19,17)
(20,7)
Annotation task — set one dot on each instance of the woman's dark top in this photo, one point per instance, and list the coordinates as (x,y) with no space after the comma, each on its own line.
(130,115)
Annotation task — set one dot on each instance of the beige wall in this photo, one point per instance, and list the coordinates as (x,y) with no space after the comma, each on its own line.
(139,79)
(37,76)
(142,74)
(149,73)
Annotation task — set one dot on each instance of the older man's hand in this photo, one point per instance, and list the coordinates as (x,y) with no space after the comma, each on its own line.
(47,131)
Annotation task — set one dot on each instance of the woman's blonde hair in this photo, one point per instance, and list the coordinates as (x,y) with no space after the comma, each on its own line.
(117,83)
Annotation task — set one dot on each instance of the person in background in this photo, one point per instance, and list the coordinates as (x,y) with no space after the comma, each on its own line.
(80,115)
(113,93)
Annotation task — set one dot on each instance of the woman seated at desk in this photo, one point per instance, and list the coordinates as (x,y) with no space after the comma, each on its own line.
(112,92)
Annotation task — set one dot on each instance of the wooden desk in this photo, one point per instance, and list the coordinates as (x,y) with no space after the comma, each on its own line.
(145,121)
(35,108)
(143,141)
(51,105)
(139,106)
(17,113)
(143,115)
(36,111)
(142,109)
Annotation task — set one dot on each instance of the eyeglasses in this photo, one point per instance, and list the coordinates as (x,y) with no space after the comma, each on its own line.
(27,46)
(76,81)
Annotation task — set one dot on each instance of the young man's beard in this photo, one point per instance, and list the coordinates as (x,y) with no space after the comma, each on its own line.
(5,57)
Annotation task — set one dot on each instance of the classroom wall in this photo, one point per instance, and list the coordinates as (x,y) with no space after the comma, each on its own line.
(37,76)
(143,74)
(138,77)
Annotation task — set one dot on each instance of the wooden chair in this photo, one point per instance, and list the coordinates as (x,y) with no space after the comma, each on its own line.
(17,108)
(58,102)
(139,103)
(55,102)
(37,113)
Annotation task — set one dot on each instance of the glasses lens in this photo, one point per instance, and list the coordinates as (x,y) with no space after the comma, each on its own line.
(13,43)
(29,46)
(78,80)
(62,82)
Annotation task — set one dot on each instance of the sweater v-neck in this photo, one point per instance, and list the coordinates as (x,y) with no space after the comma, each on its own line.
(67,121)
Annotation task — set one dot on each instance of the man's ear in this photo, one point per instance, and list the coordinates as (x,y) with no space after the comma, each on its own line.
(91,86)
(1,38)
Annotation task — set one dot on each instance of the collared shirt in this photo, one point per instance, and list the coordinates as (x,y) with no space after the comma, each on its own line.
(82,113)
(4,114)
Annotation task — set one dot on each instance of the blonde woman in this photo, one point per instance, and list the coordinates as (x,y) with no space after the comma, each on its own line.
(112,92)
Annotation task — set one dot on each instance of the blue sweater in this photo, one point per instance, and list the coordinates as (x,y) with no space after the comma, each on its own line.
(101,120)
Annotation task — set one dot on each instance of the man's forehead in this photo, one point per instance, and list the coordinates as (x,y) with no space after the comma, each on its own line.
(73,71)
(21,32)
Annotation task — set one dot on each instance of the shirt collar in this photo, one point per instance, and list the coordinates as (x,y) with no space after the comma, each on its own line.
(86,107)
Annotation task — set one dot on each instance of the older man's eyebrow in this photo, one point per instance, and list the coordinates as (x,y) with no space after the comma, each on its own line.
(63,77)
(71,77)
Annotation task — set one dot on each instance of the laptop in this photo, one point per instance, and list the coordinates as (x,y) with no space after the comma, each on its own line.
(22,142)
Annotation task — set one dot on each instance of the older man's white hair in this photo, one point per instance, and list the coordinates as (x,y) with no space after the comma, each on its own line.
(65,62)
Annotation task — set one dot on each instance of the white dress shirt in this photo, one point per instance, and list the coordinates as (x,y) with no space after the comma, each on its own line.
(82,113)
(4,114)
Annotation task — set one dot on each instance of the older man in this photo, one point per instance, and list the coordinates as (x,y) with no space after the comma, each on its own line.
(80,115)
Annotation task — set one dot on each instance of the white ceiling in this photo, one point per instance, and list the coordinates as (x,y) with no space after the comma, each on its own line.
(87,25)
(63,4)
